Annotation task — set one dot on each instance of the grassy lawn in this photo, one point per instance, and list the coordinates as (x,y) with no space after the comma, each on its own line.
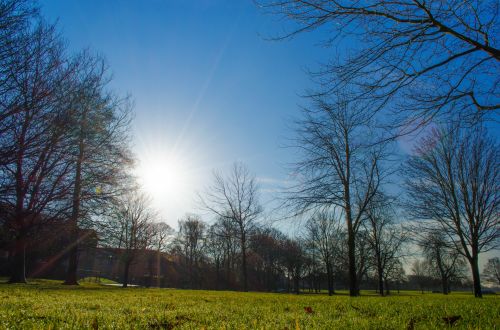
(49,305)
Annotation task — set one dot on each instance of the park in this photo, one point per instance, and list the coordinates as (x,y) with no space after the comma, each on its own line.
(249,164)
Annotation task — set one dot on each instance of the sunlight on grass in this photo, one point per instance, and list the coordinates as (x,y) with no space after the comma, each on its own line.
(47,304)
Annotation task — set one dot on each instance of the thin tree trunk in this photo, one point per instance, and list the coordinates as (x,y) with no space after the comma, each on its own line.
(158,268)
(217,274)
(71,275)
(351,245)
(244,261)
(126,273)
(18,265)
(475,276)
(296,281)
(380,281)
(329,275)
(380,269)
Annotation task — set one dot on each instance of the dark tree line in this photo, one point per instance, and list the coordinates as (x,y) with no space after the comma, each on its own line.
(209,256)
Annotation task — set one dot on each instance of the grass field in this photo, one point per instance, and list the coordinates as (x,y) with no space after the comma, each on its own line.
(49,305)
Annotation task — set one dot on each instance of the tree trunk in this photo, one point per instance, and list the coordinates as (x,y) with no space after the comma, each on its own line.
(380,281)
(18,265)
(444,282)
(217,274)
(158,268)
(228,273)
(329,275)
(125,273)
(244,261)
(475,276)
(149,282)
(351,245)
(71,275)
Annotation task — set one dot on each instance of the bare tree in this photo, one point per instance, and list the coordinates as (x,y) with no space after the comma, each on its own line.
(16,18)
(419,59)
(324,233)
(224,244)
(293,259)
(421,273)
(394,274)
(339,166)
(100,157)
(129,228)
(491,271)
(266,243)
(33,177)
(162,238)
(235,197)
(215,247)
(385,238)
(442,258)
(191,244)
(453,181)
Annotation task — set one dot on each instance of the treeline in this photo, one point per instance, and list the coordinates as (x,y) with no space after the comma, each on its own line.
(238,251)
(208,255)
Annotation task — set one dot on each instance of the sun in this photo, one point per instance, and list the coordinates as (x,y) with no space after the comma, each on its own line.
(163,176)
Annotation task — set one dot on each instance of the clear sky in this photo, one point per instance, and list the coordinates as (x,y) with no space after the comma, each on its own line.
(209,87)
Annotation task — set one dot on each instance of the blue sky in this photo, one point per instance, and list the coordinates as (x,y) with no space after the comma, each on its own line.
(209,87)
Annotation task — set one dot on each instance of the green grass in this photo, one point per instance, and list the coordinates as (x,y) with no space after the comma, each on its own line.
(93,279)
(49,305)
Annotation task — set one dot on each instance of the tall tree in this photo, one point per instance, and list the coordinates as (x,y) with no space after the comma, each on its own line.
(419,59)
(162,238)
(339,166)
(215,247)
(129,227)
(385,238)
(453,181)
(266,243)
(33,177)
(224,236)
(293,259)
(235,197)
(443,259)
(324,233)
(100,157)
(191,243)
